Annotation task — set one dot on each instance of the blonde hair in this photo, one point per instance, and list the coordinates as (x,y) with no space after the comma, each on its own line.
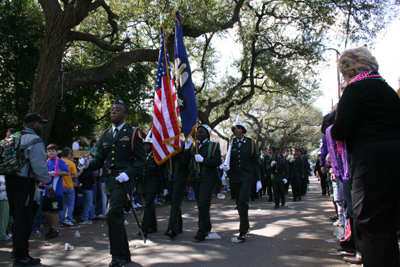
(356,61)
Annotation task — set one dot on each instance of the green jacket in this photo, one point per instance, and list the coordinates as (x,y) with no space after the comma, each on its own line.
(179,170)
(267,164)
(209,165)
(296,167)
(278,170)
(150,177)
(306,165)
(119,156)
(244,164)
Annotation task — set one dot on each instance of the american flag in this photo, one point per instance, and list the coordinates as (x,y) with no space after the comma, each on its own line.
(166,130)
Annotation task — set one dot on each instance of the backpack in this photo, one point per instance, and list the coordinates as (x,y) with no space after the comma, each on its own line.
(12,156)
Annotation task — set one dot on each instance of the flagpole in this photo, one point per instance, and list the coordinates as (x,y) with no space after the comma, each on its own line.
(197,150)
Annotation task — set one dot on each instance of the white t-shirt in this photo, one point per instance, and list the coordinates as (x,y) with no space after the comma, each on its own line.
(75,146)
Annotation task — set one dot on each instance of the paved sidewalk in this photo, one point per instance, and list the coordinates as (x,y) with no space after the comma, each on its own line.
(294,235)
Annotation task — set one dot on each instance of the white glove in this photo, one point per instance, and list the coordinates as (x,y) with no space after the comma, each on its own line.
(198,158)
(284,180)
(166,192)
(122,177)
(188,143)
(258,185)
(84,162)
(273,163)
(226,168)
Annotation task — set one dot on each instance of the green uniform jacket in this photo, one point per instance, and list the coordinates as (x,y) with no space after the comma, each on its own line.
(119,156)
(150,177)
(208,165)
(244,165)
(180,168)
(306,165)
(262,171)
(278,170)
(267,164)
(296,167)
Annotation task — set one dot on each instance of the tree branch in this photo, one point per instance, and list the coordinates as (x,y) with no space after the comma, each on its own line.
(87,37)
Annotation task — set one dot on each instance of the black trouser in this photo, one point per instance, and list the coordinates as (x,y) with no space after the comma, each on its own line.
(322,178)
(119,247)
(176,191)
(376,190)
(269,186)
(287,185)
(304,185)
(296,188)
(203,192)
(279,192)
(20,193)
(242,194)
(263,191)
(149,219)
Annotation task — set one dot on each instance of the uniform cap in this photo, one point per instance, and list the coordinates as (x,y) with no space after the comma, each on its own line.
(119,101)
(149,137)
(238,122)
(274,148)
(205,126)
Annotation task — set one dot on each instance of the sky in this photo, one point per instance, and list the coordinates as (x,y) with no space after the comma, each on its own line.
(387,53)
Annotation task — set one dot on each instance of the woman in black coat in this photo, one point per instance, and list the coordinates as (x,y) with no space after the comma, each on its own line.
(368,119)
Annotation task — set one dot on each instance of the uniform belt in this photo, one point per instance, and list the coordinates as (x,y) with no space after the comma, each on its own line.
(114,172)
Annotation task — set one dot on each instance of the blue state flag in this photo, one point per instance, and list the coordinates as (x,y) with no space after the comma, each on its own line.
(186,96)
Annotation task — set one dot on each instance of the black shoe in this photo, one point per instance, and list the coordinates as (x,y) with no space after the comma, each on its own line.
(140,234)
(294,199)
(270,199)
(170,233)
(346,248)
(242,237)
(117,263)
(333,218)
(283,204)
(26,261)
(276,207)
(199,237)
(151,231)
(49,234)
(299,198)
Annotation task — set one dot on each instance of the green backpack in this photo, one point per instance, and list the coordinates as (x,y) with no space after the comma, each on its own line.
(12,156)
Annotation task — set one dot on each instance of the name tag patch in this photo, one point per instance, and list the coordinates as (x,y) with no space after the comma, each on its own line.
(125,138)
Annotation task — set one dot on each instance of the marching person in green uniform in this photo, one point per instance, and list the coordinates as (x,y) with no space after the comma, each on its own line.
(277,177)
(149,187)
(203,179)
(177,172)
(267,174)
(296,170)
(243,172)
(121,146)
(306,170)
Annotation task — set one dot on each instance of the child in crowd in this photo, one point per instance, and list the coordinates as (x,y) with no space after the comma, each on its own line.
(69,183)
(4,210)
(88,179)
(51,206)
(75,144)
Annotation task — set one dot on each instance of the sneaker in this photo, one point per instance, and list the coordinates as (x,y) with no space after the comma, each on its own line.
(139,205)
(338,223)
(68,223)
(49,233)
(134,206)
(74,221)
(26,261)
(100,216)
(86,222)
(54,234)
(36,232)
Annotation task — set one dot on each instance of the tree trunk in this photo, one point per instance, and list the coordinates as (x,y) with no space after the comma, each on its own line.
(46,93)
